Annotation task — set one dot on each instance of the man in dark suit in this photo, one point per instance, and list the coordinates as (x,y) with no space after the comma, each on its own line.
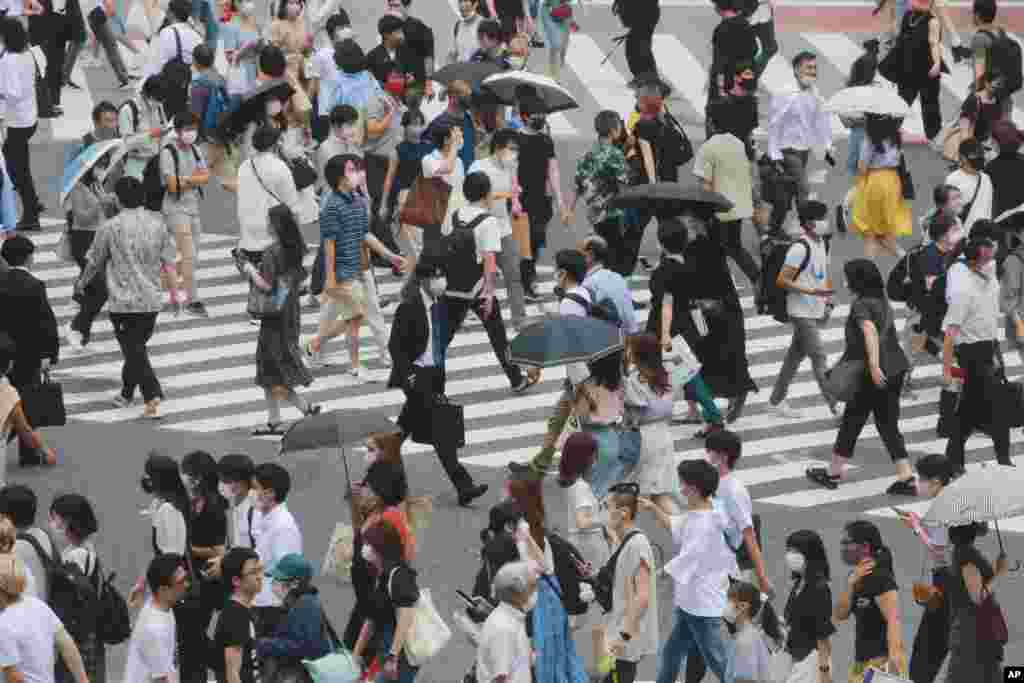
(27,318)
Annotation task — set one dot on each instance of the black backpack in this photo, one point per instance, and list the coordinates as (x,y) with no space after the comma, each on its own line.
(934,304)
(459,255)
(153,186)
(770,298)
(567,560)
(900,285)
(175,77)
(602,309)
(1006,63)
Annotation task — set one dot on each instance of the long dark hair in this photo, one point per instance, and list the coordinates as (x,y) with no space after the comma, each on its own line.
(963,537)
(289,236)
(165,477)
(882,128)
(607,371)
(809,544)
(200,465)
(864,279)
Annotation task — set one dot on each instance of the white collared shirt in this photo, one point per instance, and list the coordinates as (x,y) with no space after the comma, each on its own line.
(798,120)
(426,359)
(277,534)
(974,308)
(18,89)
(504,648)
(238,529)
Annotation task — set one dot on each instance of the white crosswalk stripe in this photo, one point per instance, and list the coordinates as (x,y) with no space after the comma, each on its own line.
(206,368)
(602,85)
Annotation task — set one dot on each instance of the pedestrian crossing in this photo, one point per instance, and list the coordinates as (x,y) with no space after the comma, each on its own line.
(207,369)
(599,84)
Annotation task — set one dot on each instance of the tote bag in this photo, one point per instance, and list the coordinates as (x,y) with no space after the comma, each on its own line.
(428,634)
(426,203)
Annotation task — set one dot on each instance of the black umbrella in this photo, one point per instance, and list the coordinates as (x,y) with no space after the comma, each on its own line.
(568,339)
(335,429)
(253,107)
(471,72)
(671,198)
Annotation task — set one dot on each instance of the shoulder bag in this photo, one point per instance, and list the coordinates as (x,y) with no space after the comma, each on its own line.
(846,377)
(427,202)
(603,584)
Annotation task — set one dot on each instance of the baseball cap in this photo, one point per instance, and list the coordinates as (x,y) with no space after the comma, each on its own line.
(291,567)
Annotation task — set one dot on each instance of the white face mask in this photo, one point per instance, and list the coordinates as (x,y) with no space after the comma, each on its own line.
(347,133)
(59,532)
(225,491)
(437,285)
(371,456)
(531,602)
(343,34)
(807,81)
(796,562)
(508,157)
(189,137)
(729,614)
(247,9)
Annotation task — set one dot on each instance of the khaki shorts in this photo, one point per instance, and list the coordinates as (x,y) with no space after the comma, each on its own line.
(350,298)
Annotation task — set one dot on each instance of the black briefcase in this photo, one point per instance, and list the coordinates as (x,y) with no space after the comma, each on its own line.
(43,403)
(448,423)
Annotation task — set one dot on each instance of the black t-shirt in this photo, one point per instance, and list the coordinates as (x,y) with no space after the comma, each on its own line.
(892,360)
(670,277)
(535,151)
(396,588)
(666,144)
(871,638)
(235,628)
(210,525)
(419,44)
(732,45)
(508,9)
(809,615)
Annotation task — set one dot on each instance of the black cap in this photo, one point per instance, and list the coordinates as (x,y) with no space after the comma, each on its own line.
(811,210)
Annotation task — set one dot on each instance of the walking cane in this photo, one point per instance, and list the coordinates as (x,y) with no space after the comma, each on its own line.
(617,41)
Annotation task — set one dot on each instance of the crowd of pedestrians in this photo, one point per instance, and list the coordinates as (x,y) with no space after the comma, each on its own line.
(312,132)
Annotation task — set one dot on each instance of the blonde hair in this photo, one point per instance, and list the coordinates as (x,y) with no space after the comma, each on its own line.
(8,535)
(12,576)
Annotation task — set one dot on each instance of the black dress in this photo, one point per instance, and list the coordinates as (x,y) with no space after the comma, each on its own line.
(278,357)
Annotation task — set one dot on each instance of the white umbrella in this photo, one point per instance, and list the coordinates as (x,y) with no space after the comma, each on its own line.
(554,96)
(868,99)
(987,494)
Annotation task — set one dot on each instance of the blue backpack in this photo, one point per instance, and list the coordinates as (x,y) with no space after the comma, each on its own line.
(217,105)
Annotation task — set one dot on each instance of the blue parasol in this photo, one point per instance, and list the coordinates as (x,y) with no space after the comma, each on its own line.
(83,162)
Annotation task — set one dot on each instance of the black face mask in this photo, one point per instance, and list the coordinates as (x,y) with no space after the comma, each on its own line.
(537,121)
(147,484)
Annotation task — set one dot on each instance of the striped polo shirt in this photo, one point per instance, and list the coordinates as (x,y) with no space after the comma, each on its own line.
(344,219)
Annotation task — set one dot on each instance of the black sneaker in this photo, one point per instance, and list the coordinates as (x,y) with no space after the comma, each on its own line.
(197,309)
(820,475)
(29,224)
(468,495)
(902,487)
(71,84)
(736,406)
(523,470)
(531,295)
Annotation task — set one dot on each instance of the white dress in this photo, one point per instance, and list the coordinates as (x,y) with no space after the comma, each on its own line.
(656,470)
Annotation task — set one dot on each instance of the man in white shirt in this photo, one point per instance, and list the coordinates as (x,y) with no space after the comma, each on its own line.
(798,123)
(467,41)
(264,181)
(975,186)
(700,572)
(178,29)
(501,169)
(19,503)
(30,633)
(324,75)
(153,645)
(570,269)
(972,327)
(235,471)
(504,653)
(471,287)
(277,534)
(805,277)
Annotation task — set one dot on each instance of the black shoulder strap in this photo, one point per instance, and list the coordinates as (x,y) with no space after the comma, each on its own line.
(267,190)
(177,40)
(135,115)
(614,559)
(37,546)
(252,539)
(807,256)
(571,296)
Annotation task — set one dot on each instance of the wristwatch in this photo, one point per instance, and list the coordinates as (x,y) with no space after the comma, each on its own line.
(626,637)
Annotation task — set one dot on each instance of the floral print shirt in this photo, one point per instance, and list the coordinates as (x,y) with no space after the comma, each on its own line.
(599,176)
(132,247)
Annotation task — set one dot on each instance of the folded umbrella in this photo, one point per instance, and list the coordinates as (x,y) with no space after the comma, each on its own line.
(868,99)
(671,198)
(568,339)
(471,72)
(84,162)
(547,90)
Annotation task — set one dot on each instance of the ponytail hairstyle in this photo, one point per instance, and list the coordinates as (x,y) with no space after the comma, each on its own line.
(761,611)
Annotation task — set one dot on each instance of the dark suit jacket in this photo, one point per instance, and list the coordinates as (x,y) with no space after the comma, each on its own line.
(25,315)
(409,334)
(379,63)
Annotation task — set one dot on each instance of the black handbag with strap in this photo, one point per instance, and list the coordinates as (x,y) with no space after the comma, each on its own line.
(43,403)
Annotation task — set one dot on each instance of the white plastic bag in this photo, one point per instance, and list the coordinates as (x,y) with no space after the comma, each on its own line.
(428,634)
(684,365)
(340,551)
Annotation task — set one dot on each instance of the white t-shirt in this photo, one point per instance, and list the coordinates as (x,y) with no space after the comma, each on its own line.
(277,534)
(171,533)
(167,47)
(325,70)
(813,276)
(501,181)
(736,503)
(581,497)
(18,89)
(701,569)
(967,184)
(28,637)
(238,529)
(151,650)
(35,573)
(264,181)
(504,648)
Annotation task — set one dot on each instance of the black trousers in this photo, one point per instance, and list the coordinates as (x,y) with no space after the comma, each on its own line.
(931,642)
(59,32)
(730,235)
(639,52)
(978,409)
(192,619)
(133,332)
(19,168)
(884,403)
(419,398)
(624,672)
(456,311)
(928,90)
(94,296)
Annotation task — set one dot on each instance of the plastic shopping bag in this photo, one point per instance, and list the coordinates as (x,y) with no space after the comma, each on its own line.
(683,364)
(340,551)
(429,634)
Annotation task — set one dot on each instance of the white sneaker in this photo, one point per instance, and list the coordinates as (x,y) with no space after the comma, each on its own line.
(315,358)
(784,410)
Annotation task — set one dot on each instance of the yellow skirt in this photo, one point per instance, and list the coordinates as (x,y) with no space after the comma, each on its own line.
(879,208)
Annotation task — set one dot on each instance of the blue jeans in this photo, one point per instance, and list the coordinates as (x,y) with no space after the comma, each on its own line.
(692,633)
(608,468)
(406,672)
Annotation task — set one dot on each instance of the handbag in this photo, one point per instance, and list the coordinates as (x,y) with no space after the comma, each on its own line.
(685,365)
(266,304)
(906,181)
(43,403)
(44,97)
(991,622)
(845,378)
(303,172)
(521,234)
(428,634)
(427,202)
(926,593)
(337,562)
(448,422)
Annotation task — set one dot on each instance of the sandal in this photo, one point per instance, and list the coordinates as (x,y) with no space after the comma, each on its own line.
(269,430)
(902,487)
(820,475)
(313,410)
